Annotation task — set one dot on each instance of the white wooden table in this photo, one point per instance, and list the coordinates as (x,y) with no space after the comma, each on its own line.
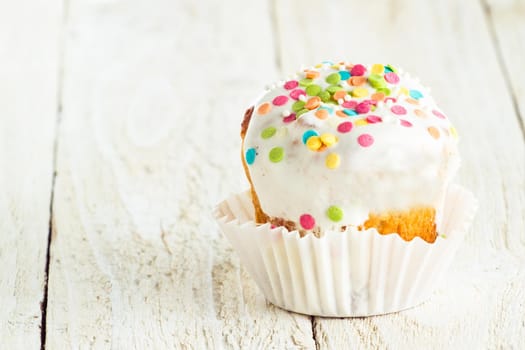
(119,125)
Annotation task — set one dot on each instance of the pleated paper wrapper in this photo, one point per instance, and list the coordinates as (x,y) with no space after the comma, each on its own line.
(344,274)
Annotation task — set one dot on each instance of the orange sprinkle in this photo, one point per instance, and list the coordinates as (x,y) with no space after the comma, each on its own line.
(378,96)
(312,74)
(339,94)
(341,114)
(313,103)
(321,113)
(264,108)
(434,132)
(412,101)
(420,113)
(357,81)
(322,148)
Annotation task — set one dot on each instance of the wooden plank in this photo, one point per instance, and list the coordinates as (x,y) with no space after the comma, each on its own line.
(153,99)
(28,89)
(447,44)
(507,19)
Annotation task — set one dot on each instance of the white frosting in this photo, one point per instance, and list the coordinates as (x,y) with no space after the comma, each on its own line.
(403,168)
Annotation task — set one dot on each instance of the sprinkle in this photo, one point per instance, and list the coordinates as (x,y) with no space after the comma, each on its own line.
(403,91)
(358,70)
(392,78)
(297,106)
(333,161)
(372,119)
(360,122)
(321,114)
(301,112)
(313,90)
(378,96)
(405,123)
(376,81)
(341,114)
(377,69)
(333,89)
(289,118)
(365,140)
(412,101)
(357,81)
(324,95)
(349,112)
(333,78)
(434,132)
(335,213)
(268,132)
(344,127)
(309,133)
(385,91)
(339,95)
(363,107)
(312,74)
(302,98)
(453,132)
(420,113)
(416,94)
(344,75)
(328,139)
(292,84)
(250,156)
(314,143)
(360,92)
(264,108)
(350,104)
(438,114)
(313,103)
(399,110)
(276,154)
(305,82)
(280,100)
(307,221)
(296,93)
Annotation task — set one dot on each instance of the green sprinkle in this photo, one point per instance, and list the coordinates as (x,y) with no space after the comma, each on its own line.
(297,106)
(335,213)
(325,96)
(313,90)
(276,154)
(334,88)
(305,81)
(302,111)
(333,78)
(377,81)
(384,90)
(268,132)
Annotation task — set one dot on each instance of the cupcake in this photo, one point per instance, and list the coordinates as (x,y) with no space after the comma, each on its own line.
(349,168)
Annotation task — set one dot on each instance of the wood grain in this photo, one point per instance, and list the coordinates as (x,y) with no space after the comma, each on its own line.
(447,44)
(153,100)
(28,105)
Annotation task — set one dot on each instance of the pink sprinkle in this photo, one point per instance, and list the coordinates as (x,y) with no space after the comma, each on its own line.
(438,114)
(292,84)
(365,140)
(392,78)
(358,70)
(272,226)
(290,118)
(280,100)
(363,107)
(406,123)
(373,119)
(345,127)
(350,104)
(307,221)
(390,99)
(296,93)
(397,109)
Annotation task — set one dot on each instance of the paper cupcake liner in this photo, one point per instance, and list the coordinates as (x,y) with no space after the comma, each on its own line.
(344,274)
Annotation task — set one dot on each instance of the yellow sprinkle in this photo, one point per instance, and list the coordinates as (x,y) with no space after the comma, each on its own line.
(403,91)
(360,92)
(328,139)
(319,65)
(360,122)
(314,143)
(378,69)
(454,132)
(335,66)
(333,161)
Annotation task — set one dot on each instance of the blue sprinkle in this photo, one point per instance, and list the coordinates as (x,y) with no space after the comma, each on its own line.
(328,62)
(416,94)
(250,156)
(309,133)
(349,111)
(344,74)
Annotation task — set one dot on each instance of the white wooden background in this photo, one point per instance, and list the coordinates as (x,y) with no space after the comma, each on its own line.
(119,125)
